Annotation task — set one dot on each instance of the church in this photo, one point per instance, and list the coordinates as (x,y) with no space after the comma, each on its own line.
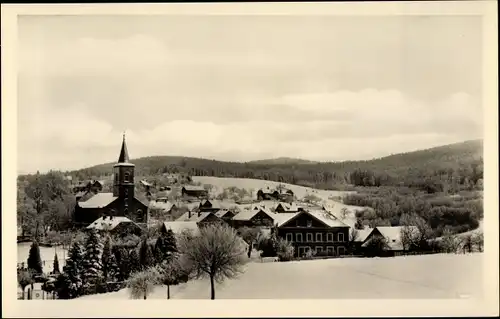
(121,202)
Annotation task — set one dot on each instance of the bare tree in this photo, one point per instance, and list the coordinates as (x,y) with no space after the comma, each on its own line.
(24,279)
(174,271)
(216,252)
(450,242)
(478,241)
(344,212)
(142,284)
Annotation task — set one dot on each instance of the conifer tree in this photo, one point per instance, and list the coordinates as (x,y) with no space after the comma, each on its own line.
(34,259)
(56,265)
(171,243)
(123,261)
(160,249)
(110,270)
(133,261)
(70,282)
(92,261)
(146,258)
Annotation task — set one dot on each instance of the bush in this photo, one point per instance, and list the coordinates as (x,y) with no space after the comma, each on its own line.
(285,250)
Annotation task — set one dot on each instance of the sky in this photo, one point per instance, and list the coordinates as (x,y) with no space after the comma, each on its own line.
(239,88)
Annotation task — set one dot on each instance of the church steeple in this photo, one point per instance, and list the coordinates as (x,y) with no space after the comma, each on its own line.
(124,152)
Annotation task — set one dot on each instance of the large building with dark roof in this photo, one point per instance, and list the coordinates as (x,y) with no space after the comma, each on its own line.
(121,202)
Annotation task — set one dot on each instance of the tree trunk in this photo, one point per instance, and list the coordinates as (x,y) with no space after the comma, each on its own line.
(212,287)
(145,296)
(250,249)
(168,291)
(24,288)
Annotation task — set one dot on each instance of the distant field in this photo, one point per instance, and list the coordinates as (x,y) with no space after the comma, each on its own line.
(418,277)
(247,183)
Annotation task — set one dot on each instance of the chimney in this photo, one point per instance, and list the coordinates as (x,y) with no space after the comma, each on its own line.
(199,213)
(111,217)
(189,214)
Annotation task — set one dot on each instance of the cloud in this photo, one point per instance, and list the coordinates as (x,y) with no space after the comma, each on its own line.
(378,123)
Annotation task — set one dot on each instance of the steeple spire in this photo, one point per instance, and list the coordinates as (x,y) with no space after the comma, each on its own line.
(124,152)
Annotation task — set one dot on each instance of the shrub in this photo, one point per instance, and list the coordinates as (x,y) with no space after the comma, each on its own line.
(285,250)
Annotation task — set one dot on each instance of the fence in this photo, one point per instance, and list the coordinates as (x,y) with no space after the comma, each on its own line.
(35,294)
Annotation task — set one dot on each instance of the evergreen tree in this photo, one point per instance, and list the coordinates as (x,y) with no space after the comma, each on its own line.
(110,270)
(160,249)
(92,261)
(34,259)
(123,261)
(56,265)
(70,282)
(134,263)
(146,258)
(171,243)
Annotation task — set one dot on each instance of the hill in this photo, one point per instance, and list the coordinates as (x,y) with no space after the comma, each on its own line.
(282,161)
(457,165)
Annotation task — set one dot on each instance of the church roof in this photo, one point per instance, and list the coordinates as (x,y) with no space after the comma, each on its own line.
(123,158)
(99,200)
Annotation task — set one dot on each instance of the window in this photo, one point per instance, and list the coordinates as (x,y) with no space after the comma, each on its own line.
(329,237)
(289,237)
(309,223)
(341,250)
(340,237)
(309,237)
(298,237)
(126,177)
(139,213)
(319,249)
(125,211)
(330,250)
(319,237)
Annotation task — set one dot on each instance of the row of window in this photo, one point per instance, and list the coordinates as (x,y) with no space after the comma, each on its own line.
(330,250)
(310,237)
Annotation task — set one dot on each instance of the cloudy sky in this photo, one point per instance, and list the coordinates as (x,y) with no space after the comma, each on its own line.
(244,87)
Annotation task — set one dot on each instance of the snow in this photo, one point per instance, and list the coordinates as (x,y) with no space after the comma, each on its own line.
(417,277)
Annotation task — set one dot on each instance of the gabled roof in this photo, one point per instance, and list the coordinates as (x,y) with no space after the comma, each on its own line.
(322,216)
(362,234)
(222,212)
(195,216)
(290,207)
(161,205)
(217,203)
(179,226)
(99,200)
(248,214)
(393,235)
(109,222)
(194,188)
(282,218)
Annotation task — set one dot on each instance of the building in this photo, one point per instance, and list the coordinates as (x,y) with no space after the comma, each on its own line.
(116,225)
(93,186)
(281,194)
(194,192)
(316,231)
(201,218)
(257,217)
(226,215)
(213,205)
(163,209)
(394,243)
(121,202)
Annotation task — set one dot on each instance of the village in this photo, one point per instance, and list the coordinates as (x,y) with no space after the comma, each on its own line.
(271,224)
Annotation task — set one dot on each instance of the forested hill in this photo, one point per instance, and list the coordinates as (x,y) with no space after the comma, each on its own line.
(282,161)
(455,165)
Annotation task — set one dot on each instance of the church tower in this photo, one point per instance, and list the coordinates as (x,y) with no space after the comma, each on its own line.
(123,182)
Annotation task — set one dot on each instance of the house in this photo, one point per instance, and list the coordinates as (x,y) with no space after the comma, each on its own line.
(82,196)
(276,194)
(116,225)
(283,207)
(360,237)
(225,214)
(93,186)
(146,185)
(258,217)
(164,209)
(392,236)
(120,202)
(317,231)
(214,205)
(201,218)
(194,191)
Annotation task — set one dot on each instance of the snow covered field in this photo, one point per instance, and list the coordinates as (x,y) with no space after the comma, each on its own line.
(248,183)
(418,277)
